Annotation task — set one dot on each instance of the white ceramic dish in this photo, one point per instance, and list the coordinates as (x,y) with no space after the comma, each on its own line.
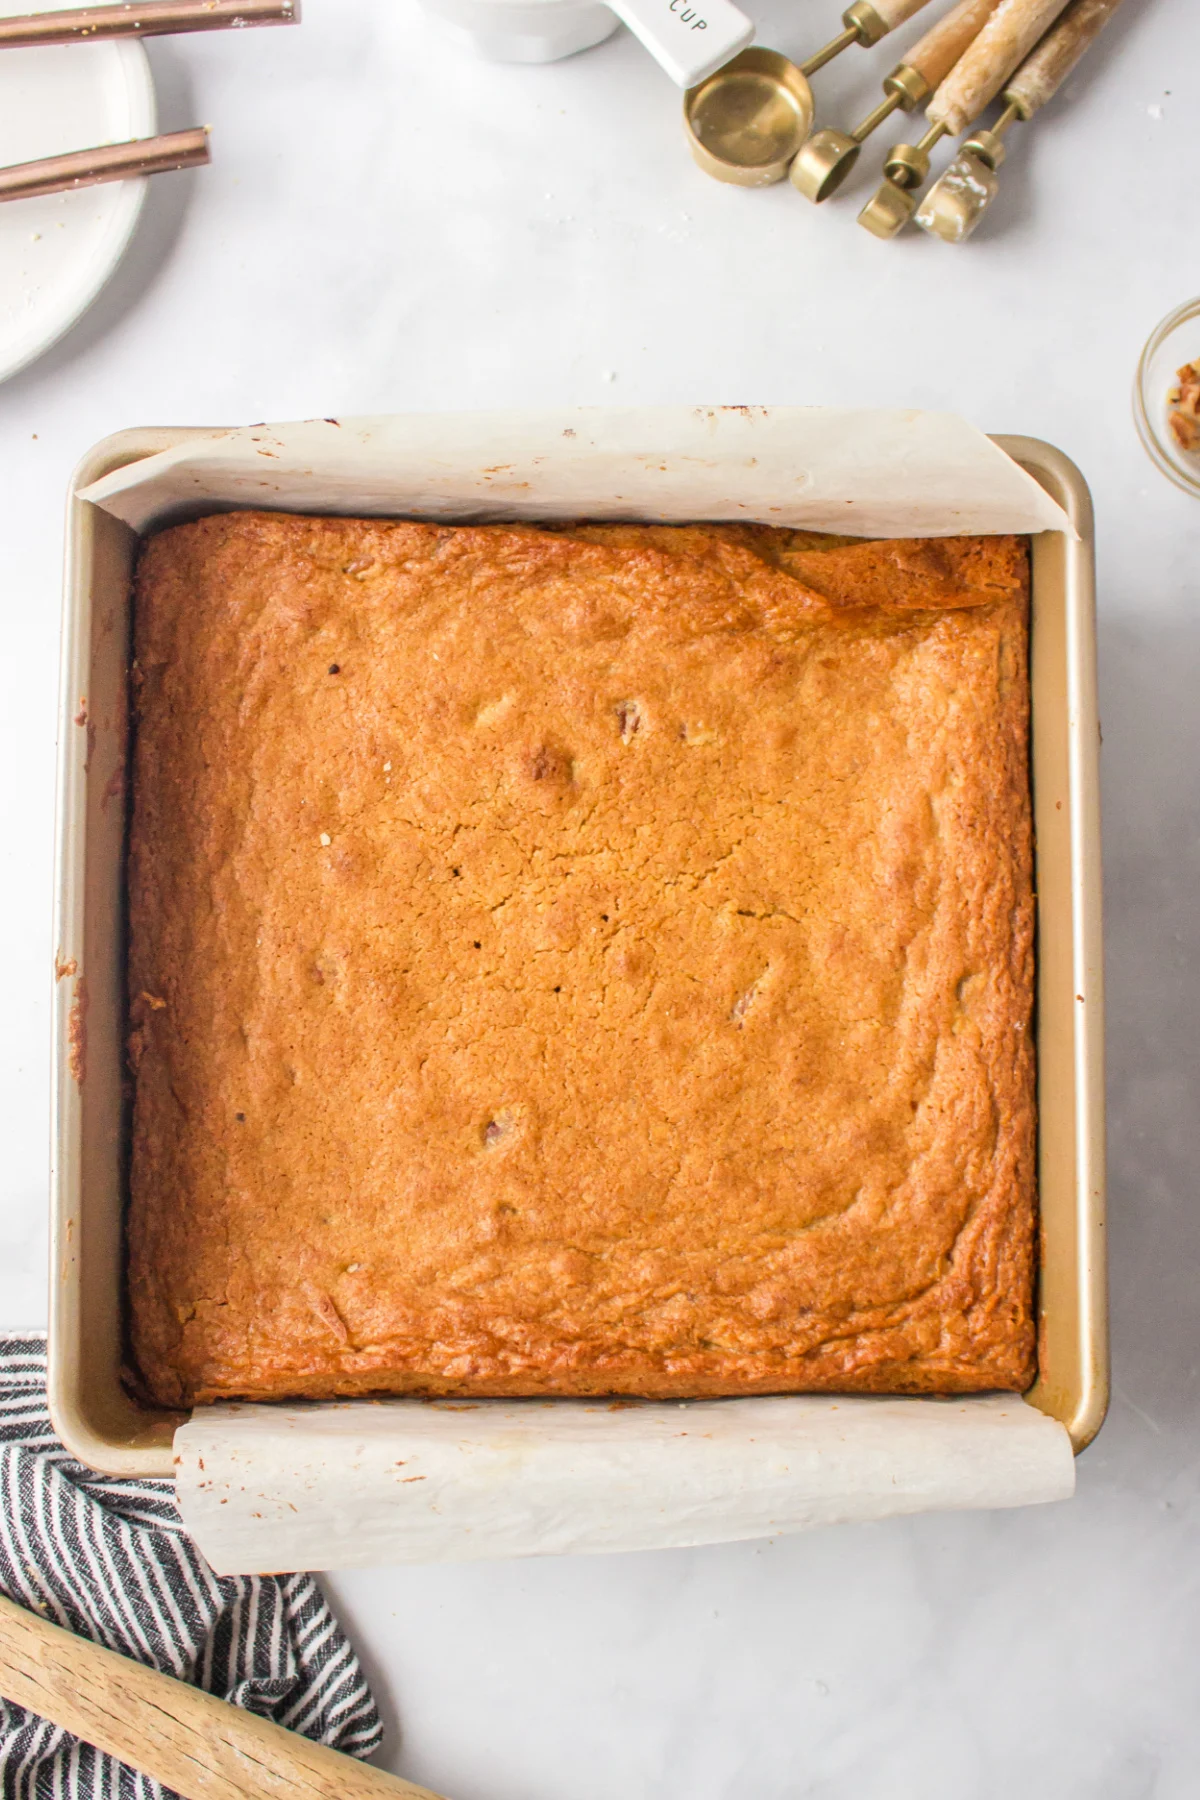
(689,44)
(56,253)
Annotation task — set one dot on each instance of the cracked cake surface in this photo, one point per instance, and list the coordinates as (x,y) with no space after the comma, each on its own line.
(579,961)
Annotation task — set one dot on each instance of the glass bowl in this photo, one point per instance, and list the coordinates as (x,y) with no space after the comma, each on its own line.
(1171,344)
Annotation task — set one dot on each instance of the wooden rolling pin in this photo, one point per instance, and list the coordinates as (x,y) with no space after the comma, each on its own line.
(111,162)
(828,156)
(153,18)
(975,80)
(201,1746)
(959,198)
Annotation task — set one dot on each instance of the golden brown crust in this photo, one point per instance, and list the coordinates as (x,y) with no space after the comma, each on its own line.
(579,961)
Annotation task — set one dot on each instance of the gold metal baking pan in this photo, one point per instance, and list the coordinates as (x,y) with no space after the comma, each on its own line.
(94,1414)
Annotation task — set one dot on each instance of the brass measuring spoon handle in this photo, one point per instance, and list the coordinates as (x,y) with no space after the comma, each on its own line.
(1043,72)
(978,76)
(827,156)
(833,48)
(895,200)
(929,62)
(932,62)
(153,18)
(908,164)
(903,87)
(865,22)
(974,80)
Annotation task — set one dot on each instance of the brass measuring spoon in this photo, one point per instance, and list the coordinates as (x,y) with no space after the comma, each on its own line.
(962,194)
(748,120)
(827,157)
(975,80)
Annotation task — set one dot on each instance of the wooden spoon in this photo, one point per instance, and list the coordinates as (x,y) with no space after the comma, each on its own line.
(189,1740)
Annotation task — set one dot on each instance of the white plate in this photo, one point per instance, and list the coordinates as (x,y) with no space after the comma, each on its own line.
(56,253)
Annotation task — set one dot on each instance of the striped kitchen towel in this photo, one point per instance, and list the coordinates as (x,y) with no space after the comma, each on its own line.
(110,1560)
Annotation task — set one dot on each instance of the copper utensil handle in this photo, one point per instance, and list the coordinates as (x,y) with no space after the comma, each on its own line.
(1043,72)
(189,1740)
(153,18)
(934,55)
(111,162)
(1005,41)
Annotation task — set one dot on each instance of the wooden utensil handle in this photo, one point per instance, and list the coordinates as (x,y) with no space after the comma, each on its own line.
(153,18)
(1007,38)
(897,12)
(111,162)
(201,1746)
(1043,72)
(934,55)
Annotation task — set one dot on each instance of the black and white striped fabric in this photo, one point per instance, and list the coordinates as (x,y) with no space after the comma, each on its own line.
(110,1560)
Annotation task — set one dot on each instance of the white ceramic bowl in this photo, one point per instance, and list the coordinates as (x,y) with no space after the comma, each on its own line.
(527,31)
(56,253)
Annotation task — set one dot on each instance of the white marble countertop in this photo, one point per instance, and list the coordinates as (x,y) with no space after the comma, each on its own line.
(390,225)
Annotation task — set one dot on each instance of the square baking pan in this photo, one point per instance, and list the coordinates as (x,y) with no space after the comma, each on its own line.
(94,1413)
